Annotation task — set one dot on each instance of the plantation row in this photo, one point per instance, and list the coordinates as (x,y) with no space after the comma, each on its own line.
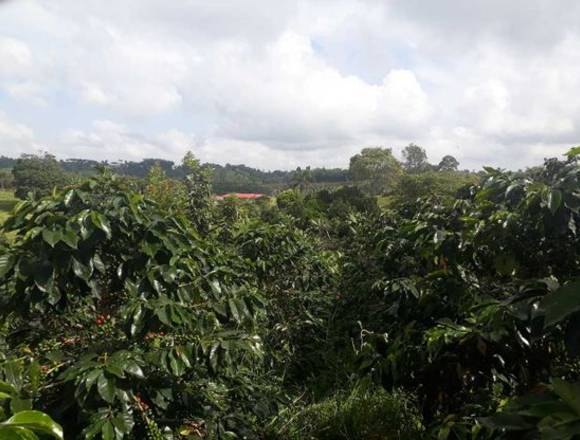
(146,309)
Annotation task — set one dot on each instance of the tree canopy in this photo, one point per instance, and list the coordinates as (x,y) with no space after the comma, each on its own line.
(37,175)
(448,163)
(415,158)
(375,167)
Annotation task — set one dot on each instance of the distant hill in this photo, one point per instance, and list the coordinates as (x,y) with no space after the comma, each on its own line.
(226,178)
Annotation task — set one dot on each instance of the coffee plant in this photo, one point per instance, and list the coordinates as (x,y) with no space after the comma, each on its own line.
(140,325)
(471,302)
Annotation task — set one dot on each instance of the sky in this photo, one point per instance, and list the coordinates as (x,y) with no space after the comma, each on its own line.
(277,84)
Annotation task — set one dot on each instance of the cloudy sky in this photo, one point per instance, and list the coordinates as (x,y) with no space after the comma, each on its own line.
(281,83)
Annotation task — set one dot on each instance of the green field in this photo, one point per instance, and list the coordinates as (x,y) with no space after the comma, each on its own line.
(7,202)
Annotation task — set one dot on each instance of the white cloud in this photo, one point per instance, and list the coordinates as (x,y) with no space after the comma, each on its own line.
(306,81)
(16,57)
(16,138)
(107,139)
(291,99)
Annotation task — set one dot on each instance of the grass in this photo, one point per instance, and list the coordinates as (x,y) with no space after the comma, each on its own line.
(7,202)
(363,413)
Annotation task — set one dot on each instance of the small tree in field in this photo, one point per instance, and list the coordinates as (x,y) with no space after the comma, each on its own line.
(415,158)
(448,163)
(302,178)
(198,184)
(38,175)
(376,168)
(170,194)
(6,180)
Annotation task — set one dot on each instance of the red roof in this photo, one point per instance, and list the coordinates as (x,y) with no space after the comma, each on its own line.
(243,196)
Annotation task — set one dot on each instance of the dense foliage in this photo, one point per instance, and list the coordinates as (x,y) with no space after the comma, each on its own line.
(144,308)
(116,298)
(225,178)
(37,175)
(469,302)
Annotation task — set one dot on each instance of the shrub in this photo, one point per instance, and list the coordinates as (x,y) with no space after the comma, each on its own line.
(364,413)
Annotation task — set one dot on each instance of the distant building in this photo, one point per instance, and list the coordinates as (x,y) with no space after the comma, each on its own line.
(241,196)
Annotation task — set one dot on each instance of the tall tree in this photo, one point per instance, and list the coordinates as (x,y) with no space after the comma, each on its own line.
(198,184)
(6,179)
(36,174)
(415,158)
(448,163)
(169,193)
(302,178)
(375,168)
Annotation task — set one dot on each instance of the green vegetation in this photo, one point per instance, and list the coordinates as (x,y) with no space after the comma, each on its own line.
(37,175)
(376,169)
(225,178)
(363,413)
(19,383)
(414,302)
(7,202)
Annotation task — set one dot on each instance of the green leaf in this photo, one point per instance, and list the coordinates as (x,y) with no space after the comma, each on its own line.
(98,263)
(91,378)
(16,433)
(124,422)
(176,365)
(108,431)
(511,188)
(34,374)
(554,200)
(71,238)
(570,393)
(85,227)
(36,421)
(443,433)
(137,321)
(80,270)
(562,303)
(43,276)
(215,287)
(133,369)
(68,197)
(234,310)
(106,388)
(101,222)
(573,152)
(18,404)
(162,398)
(163,316)
(7,388)
(213,356)
(6,264)
(115,369)
(51,237)
(94,429)
(439,236)
(183,354)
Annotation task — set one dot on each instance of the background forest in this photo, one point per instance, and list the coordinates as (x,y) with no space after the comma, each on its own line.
(393,300)
(224,178)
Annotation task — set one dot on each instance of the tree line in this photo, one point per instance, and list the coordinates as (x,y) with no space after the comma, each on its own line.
(375,168)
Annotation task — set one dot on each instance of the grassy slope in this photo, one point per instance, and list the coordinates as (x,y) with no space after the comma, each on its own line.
(7,202)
